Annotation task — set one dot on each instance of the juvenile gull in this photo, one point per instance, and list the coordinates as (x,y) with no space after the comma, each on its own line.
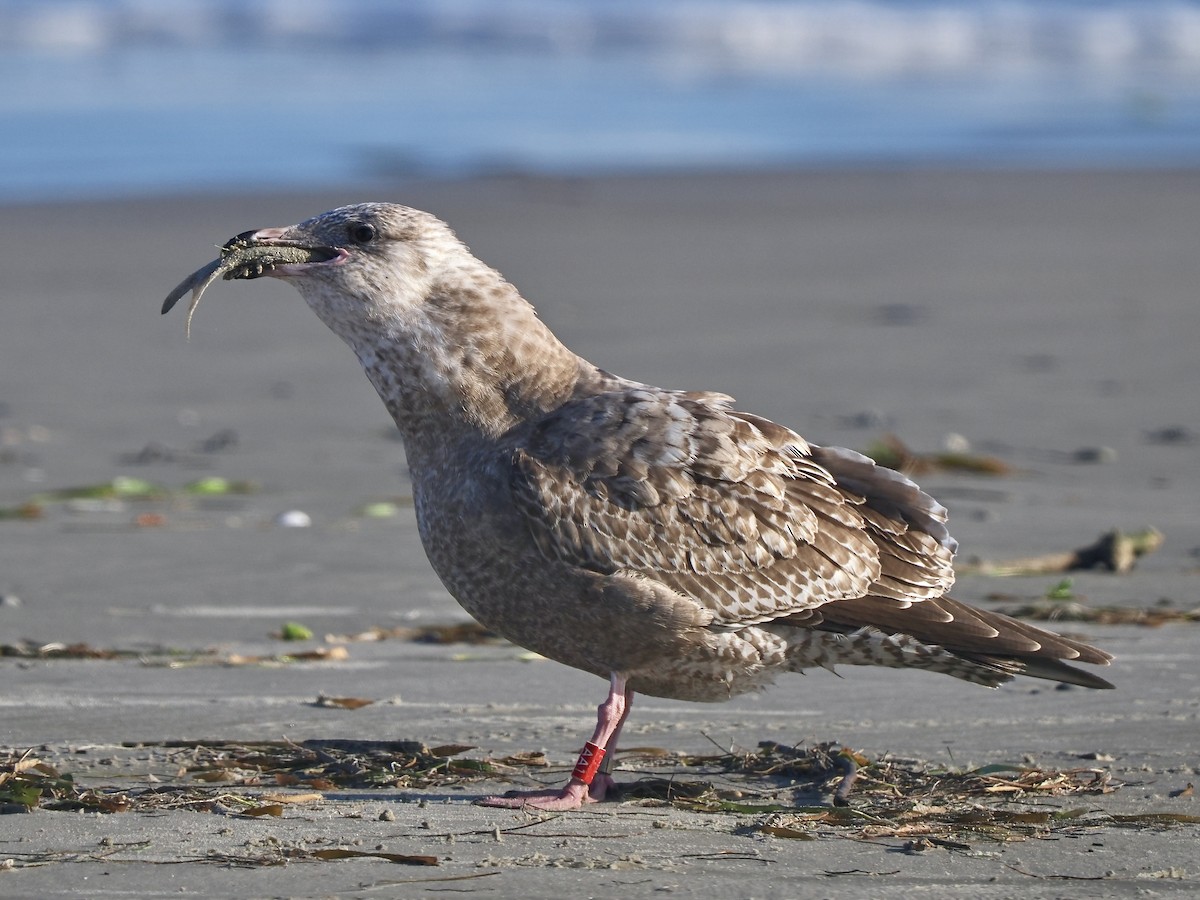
(660,539)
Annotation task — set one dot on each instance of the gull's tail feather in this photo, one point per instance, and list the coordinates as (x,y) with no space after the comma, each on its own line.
(988,639)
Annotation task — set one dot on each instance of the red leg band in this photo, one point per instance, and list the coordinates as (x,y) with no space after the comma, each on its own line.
(589,761)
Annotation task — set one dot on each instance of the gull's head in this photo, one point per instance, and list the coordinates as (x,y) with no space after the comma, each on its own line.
(440,334)
(373,261)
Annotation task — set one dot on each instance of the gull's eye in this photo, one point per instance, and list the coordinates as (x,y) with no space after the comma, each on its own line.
(362,232)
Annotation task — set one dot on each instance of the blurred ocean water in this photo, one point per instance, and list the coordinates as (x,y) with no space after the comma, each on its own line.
(118,97)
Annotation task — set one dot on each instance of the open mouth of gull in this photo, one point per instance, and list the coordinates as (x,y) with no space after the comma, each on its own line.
(244,257)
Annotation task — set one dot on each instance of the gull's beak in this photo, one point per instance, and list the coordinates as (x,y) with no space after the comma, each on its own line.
(255,236)
(271,251)
(252,254)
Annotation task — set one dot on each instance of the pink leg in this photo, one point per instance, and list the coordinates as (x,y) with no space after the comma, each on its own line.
(603,782)
(580,790)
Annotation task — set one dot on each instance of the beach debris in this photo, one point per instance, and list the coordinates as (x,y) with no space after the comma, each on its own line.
(120,487)
(293,518)
(762,790)
(318,654)
(241,257)
(470,632)
(175,657)
(294,631)
(27,782)
(525,758)
(114,495)
(1098,455)
(381,509)
(1176,435)
(215,486)
(866,418)
(326,765)
(1058,611)
(953,442)
(893,453)
(28,511)
(405,858)
(61,650)
(849,762)
(225,439)
(342,702)
(267,809)
(157,452)
(171,657)
(153,452)
(1064,590)
(1113,551)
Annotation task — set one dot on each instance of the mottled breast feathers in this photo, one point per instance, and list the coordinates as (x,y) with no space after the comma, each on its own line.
(735,511)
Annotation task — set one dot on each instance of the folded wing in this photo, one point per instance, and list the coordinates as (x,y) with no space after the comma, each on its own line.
(735,511)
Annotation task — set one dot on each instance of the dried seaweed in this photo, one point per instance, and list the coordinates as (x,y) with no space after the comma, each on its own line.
(471,633)
(243,770)
(1051,611)
(892,798)
(893,453)
(27,782)
(777,789)
(60,650)
(166,656)
(118,494)
(329,765)
(468,632)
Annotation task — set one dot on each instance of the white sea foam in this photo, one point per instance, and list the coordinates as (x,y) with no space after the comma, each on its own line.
(858,36)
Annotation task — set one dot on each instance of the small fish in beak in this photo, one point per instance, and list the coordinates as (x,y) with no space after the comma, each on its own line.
(241,257)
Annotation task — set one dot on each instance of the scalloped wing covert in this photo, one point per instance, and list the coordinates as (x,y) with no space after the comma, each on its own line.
(733,510)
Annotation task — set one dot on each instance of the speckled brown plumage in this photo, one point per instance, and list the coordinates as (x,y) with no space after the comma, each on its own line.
(661,539)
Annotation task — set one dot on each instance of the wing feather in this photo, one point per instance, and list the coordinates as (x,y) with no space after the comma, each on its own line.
(733,510)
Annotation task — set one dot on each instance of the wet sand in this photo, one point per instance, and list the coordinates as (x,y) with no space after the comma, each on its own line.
(1046,318)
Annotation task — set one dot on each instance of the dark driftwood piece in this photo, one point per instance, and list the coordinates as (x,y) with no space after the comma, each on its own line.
(1113,551)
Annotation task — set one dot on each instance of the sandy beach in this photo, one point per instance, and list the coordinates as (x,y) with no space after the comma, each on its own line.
(1046,319)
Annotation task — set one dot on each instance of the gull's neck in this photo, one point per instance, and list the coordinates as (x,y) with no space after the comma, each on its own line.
(466,362)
